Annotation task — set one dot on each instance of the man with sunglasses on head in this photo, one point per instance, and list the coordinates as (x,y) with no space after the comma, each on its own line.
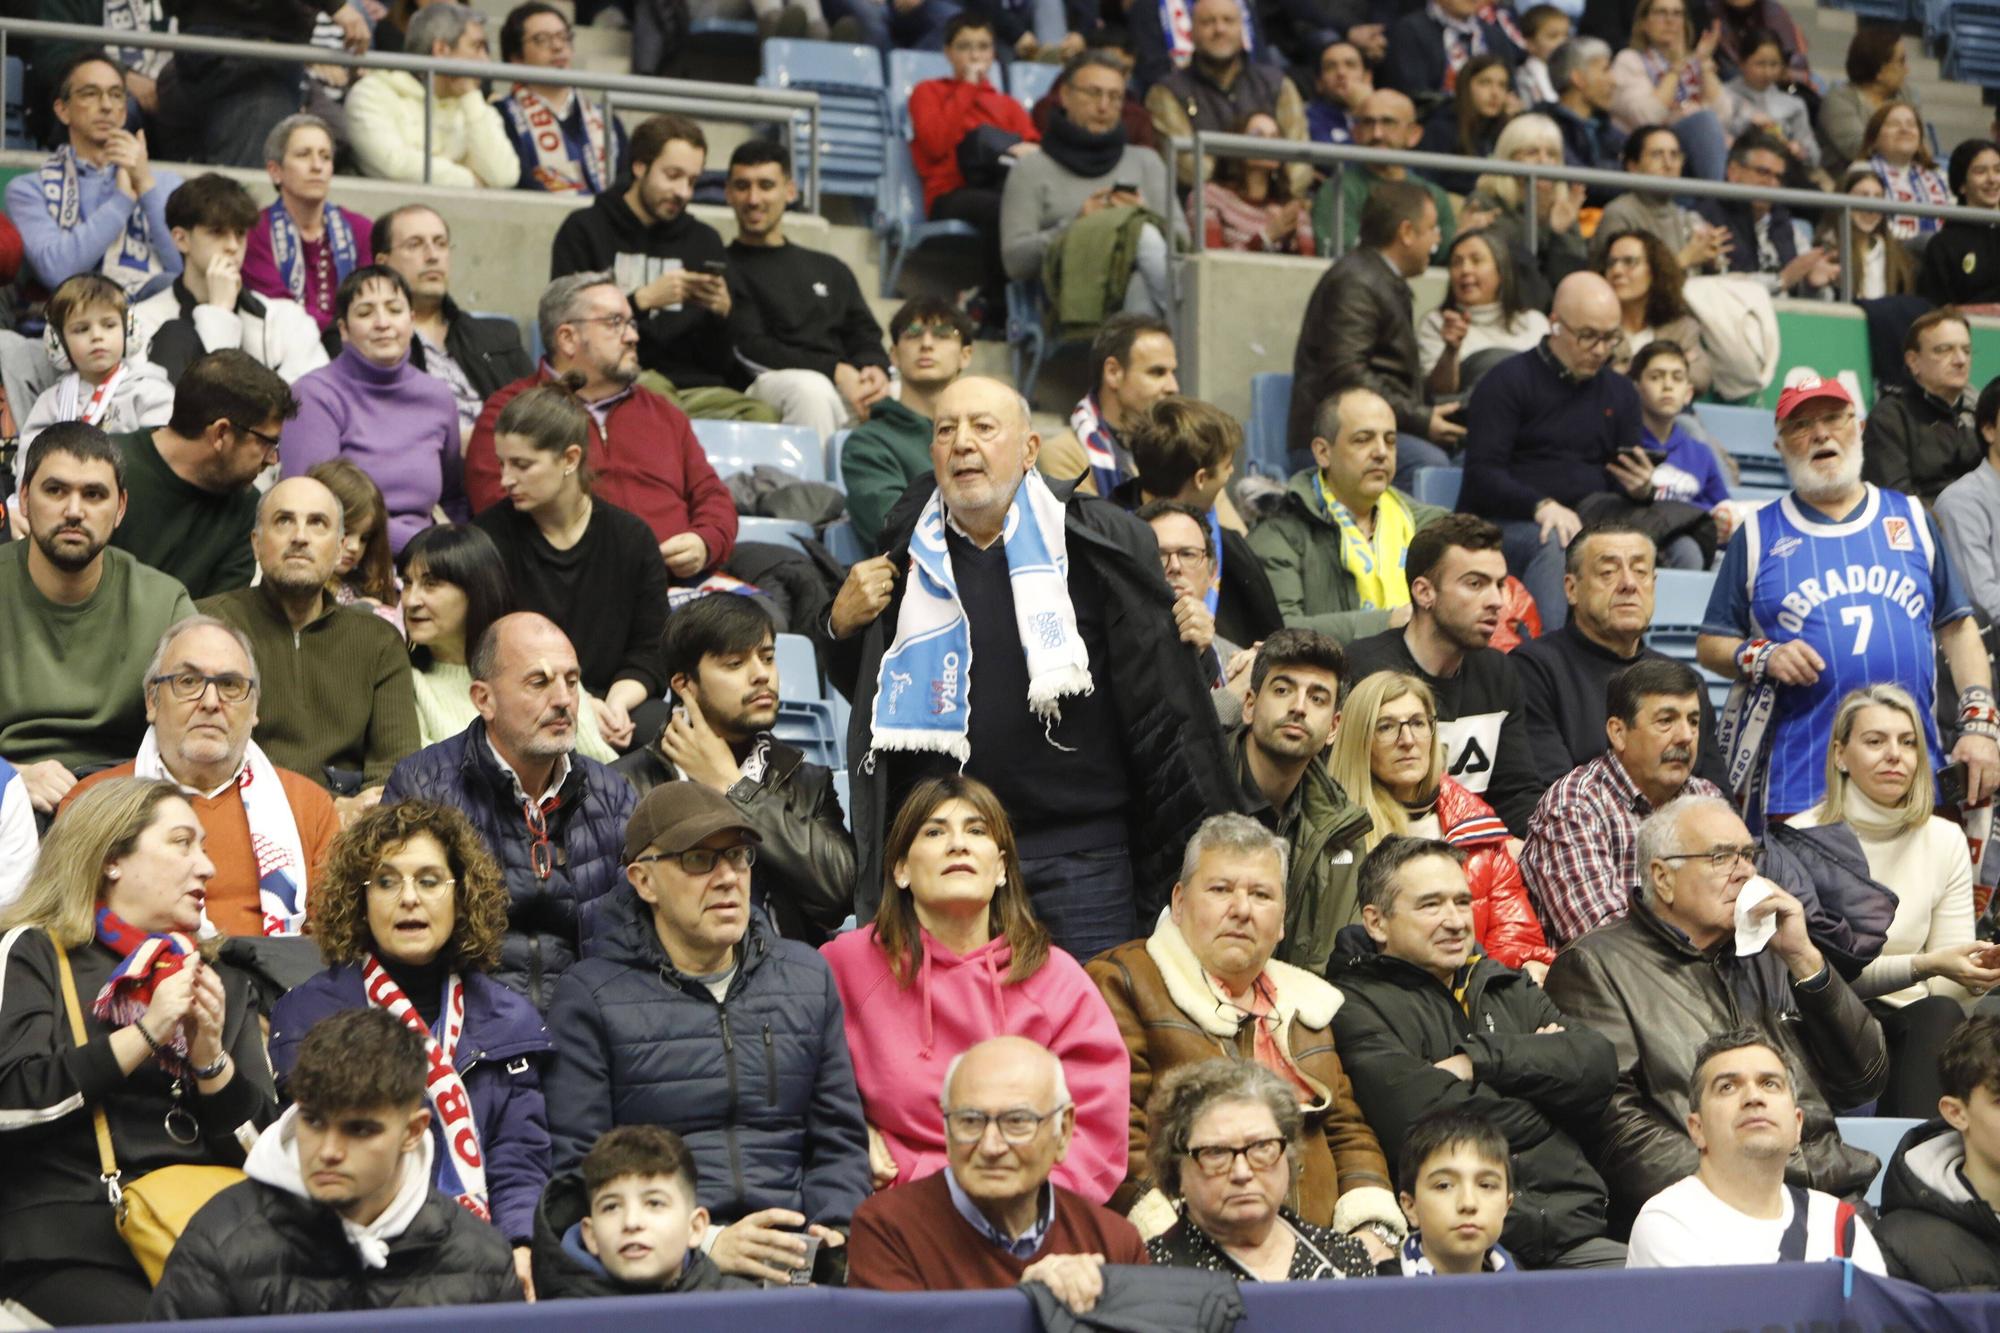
(1709,946)
(551,817)
(689,1012)
(268,828)
(993,1218)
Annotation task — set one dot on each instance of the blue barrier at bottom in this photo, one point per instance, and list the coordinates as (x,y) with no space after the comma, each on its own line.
(1779,1296)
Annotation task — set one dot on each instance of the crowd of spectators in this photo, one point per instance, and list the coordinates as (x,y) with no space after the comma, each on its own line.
(1338,886)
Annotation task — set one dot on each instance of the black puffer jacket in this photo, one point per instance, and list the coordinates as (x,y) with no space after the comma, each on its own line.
(805,865)
(1643,984)
(545,913)
(1934,1230)
(760,1086)
(256,1249)
(562,1272)
(1174,748)
(1917,443)
(488,350)
(1541,1091)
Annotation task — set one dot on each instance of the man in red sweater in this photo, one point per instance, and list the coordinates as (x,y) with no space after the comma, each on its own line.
(942,113)
(643,454)
(994,1219)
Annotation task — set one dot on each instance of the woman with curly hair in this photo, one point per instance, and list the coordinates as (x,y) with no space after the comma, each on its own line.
(409,915)
(1648,282)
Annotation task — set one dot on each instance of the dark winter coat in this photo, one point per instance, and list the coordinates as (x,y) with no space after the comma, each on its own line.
(1174,748)
(256,1249)
(587,827)
(1917,443)
(805,865)
(564,1269)
(1934,1230)
(500,1057)
(1541,1091)
(760,1086)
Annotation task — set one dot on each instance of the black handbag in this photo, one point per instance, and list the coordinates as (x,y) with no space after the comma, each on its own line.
(982,156)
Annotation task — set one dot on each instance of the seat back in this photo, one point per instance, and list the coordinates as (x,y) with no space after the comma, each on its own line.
(738,446)
(1437,486)
(1880,1135)
(798,668)
(1270,410)
(1030,81)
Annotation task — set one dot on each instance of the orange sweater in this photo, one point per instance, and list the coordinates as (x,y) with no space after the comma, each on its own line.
(913,1239)
(232,895)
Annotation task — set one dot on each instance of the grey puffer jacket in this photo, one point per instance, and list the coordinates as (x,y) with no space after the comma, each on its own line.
(1934,1230)
(760,1084)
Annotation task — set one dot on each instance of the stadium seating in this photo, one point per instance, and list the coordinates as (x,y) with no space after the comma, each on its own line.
(738,446)
(1879,1135)
(774,531)
(854,121)
(1030,80)
(798,668)
(843,543)
(1264,438)
(1437,485)
(1747,435)
(17,91)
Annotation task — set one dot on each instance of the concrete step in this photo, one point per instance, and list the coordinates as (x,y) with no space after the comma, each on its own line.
(595,41)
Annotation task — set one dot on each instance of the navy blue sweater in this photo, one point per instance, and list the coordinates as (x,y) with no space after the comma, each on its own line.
(1535,434)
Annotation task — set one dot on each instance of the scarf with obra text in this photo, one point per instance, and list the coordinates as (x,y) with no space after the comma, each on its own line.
(461,1168)
(131,261)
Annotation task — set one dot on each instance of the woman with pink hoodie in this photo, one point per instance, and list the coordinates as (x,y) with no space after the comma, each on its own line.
(955,956)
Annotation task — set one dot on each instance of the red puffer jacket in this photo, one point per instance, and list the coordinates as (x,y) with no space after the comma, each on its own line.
(1502,917)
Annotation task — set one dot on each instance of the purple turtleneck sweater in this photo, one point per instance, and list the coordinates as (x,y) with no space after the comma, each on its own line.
(399,425)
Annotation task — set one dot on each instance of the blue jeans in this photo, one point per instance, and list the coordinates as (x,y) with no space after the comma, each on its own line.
(922,29)
(1085,899)
(1539,566)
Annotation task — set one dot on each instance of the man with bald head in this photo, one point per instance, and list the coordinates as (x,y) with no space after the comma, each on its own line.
(268,828)
(1087,716)
(1384,119)
(1549,430)
(552,818)
(340,707)
(993,1218)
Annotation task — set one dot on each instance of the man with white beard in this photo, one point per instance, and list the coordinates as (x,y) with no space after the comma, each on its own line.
(1837,586)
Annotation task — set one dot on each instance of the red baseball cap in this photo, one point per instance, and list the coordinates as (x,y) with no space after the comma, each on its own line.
(1804,388)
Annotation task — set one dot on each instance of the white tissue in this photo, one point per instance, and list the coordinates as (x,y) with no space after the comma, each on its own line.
(1752,936)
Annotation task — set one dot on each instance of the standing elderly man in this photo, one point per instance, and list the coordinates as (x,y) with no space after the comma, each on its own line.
(1549,428)
(1660,981)
(268,828)
(1206,983)
(551,817)
(342,709)
(1431,1024)
(993,1218)
(1088,718)
(1837,586)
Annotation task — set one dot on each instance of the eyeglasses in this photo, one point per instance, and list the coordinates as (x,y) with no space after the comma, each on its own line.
(1391,728)
(541,852)
(96,93)
(1834,421)
(616,323)
(1591,339)
(188,686)
(1182,555)
(549,41)
(1216,1159)
(1016,1126)
(916,333)
(700,861)
(268,441)
(428,883)
(1097,94)
(1720,859)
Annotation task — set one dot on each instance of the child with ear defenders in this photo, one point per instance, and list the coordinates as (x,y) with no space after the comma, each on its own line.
(107,382)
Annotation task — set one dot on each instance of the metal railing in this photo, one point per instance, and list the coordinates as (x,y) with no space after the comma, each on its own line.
(715,101)
(1203,146)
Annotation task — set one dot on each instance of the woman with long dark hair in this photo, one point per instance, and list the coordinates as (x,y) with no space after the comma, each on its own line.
(1647,279)
(1482,313)
(1249,201)
(1469,124)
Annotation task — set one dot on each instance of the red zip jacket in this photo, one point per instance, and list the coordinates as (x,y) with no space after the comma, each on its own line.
(943,111)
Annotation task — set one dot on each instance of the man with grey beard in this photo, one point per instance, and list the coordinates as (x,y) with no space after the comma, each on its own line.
(1837,586)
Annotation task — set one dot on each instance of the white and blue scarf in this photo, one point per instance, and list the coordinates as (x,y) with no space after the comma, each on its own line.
(288,251)
(920,690)
(274,833)
(131,261)
(1415,1263)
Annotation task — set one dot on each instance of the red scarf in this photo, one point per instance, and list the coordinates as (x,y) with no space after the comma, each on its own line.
(148,961)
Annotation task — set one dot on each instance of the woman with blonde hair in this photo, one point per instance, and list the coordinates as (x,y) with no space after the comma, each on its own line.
(1879,783)
(1559,248)
(171,1056)
(954,957)
(1389,759)
(409,918)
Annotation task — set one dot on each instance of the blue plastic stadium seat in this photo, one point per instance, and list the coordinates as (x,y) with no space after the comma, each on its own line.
(1680,602)
(833,447)
(17,93)
(843,543)
(1270,409)
(855,124)
(798,668)
(1748,435)
(1030,80)
(812,727)
(773,531)
(1437,485)
(738,446)
(1879,1135)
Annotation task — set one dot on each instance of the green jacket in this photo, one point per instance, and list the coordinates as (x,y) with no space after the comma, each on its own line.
(878,462)
(1324,830)
(1090,265)
(1353,186)
(1300,548)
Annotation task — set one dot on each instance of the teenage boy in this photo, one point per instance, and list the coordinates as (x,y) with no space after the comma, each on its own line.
(1544,28)
(1941,1199)
(339,1212)
(1690,472)
(1456,1187)
(626,1222)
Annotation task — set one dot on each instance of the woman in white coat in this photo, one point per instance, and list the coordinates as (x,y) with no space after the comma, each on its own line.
(468,140)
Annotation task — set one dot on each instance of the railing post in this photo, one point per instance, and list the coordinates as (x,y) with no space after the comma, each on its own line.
(1531,220)
(3,94)
(1200,195)
(812,172)
(1847,252)
(430,105)
(1337,182)
(610,139)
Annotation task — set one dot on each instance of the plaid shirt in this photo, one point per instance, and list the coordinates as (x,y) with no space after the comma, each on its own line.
(1582,845)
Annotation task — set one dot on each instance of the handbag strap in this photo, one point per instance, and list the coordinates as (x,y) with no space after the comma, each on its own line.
(106,1161)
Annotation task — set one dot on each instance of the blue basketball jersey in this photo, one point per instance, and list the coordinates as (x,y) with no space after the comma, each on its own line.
(1860,592)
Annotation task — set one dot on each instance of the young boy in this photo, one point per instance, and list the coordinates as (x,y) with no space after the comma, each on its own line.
(1544,27)
(1941,1199)
(1455,1186)
(626,1223)
(1691,472)
(105,383)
